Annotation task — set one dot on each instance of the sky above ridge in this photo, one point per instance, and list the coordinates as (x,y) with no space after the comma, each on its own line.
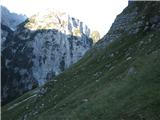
(96,14)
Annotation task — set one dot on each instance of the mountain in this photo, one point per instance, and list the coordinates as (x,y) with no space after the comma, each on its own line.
(11,20)
(118,79)
(42,47)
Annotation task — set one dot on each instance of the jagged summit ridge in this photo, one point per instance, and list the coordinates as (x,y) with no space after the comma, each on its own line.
(61,21)
(10,19)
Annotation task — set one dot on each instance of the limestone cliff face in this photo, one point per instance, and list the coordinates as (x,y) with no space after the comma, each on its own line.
(41,48)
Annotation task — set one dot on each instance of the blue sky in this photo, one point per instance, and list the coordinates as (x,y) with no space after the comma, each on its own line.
(97,14)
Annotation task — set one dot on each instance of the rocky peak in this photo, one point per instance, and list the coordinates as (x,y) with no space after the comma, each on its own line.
(11,20)
(42,47)
(53,19)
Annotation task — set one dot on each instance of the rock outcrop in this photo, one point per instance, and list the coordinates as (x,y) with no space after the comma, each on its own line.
(41,48)
(131,21)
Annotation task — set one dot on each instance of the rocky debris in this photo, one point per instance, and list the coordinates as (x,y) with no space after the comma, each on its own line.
(132,71)
(97,74)
(27,107)
(108,65)
(141,43)
(85,100)
(42,105)
(112,55)
(111,68)
(42,91)
(153,26)
(97,80)
(36,112)
(25,117)
(149,40)
(55,80)
(146,28)
(128,58)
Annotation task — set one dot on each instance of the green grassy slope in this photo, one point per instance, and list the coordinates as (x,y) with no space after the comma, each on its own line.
(120,82)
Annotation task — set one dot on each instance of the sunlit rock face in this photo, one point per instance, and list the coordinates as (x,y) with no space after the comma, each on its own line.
(53,19)
(41,48)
